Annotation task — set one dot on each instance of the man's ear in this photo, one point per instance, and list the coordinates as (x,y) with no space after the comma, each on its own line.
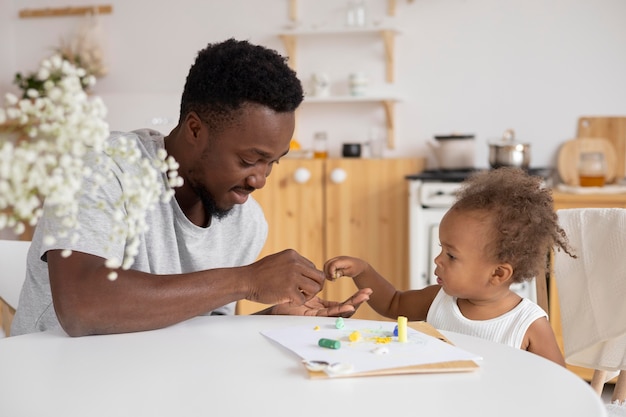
(501,274)
(192,125)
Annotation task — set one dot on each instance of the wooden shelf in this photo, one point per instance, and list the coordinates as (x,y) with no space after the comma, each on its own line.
(349,99)
(293,8)
(387,34)
(66,11)
(387,102)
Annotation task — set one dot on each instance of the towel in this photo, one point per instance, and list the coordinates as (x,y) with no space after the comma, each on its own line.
(592,288)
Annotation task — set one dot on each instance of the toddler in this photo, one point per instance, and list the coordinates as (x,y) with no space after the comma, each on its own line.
(498,232)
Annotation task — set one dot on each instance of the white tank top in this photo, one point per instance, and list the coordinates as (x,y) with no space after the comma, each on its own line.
(509,328)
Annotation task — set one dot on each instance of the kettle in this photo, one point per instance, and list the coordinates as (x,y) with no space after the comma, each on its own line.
(453,151)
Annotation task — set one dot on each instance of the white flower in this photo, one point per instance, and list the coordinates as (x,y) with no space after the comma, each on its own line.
(53,131)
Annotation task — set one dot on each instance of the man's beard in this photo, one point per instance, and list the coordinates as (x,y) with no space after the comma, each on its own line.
(210,206)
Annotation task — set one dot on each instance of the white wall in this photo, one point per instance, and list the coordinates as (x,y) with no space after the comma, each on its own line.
(467,66)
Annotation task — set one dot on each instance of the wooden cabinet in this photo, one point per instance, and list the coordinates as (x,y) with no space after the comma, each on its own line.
(567,201)
(356,207)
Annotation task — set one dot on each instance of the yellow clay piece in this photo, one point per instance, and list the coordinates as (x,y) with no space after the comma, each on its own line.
(355,336)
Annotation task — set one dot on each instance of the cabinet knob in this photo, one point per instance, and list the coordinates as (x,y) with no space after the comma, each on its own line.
(338,175)
(301,175)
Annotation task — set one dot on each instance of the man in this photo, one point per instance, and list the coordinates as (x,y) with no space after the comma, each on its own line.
(198,256)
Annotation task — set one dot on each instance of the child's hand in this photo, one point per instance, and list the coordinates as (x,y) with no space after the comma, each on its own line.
(341,266)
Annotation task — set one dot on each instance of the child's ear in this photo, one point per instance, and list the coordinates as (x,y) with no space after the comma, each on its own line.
(502,274)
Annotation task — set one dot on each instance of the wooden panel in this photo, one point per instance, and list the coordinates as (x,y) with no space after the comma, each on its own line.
(367,217)
(294,214)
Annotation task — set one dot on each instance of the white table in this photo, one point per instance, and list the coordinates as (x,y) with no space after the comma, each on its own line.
(223,366)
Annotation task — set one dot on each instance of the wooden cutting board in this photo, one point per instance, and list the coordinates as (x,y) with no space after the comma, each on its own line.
(612,128)
(569,156)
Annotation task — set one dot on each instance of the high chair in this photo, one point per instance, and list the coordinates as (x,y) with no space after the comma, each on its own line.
(592,294)
(13,255)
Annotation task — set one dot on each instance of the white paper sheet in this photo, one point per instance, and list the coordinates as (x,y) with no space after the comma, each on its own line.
(420,349)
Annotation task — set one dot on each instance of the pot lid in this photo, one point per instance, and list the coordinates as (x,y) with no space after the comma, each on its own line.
(454,136)
(508,139)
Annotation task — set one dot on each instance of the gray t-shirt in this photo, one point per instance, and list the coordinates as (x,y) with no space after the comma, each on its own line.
(172,244)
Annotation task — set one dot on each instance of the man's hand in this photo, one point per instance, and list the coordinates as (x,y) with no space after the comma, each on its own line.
(319,307)
(284,277)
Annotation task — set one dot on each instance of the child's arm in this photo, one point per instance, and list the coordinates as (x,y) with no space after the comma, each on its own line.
(540,340)
(385,299)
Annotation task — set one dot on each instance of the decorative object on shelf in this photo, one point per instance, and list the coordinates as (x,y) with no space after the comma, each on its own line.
(53,144)
(82,49)
(358,83)
(320,84)
(356,13)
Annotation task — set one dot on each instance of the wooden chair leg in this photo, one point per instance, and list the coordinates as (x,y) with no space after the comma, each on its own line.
(6,317)
(619,393)
(597,381)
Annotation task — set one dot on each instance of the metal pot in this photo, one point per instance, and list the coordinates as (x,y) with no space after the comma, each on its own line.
(507,152)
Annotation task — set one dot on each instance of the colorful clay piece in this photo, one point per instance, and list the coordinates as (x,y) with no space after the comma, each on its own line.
(316,328)
(339,323)
(395,331)
(355,336)
(402,322)
(329,343)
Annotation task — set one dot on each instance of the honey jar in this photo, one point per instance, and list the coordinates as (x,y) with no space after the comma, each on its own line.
(592,169)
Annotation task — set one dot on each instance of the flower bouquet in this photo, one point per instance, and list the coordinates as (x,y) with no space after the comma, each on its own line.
(44,138)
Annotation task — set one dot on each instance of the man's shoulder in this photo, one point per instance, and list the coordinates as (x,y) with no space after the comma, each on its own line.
(139,135)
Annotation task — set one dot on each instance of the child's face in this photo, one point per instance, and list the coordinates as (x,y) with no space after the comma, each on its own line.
(464,268)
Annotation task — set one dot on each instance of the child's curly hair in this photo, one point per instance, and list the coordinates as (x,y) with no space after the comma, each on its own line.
(520,209)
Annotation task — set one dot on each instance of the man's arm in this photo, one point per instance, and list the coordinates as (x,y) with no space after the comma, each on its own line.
(87,302)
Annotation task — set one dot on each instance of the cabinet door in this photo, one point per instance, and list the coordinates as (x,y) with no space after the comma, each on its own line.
(294,212)
(367,217)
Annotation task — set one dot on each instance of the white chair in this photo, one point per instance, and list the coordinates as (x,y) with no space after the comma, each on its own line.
(13,272)
(592,294)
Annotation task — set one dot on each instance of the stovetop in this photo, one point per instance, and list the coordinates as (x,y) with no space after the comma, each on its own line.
(459,175)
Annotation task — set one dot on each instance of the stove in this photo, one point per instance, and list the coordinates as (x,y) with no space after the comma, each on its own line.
(431,194)
(459,175)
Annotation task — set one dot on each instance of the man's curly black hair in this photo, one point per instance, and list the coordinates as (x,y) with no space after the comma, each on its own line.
(229,74)
(520,210)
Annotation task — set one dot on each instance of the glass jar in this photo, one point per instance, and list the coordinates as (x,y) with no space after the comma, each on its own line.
(320,145)
(592,169)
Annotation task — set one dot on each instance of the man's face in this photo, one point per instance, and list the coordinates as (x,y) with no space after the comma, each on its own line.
(237,160)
